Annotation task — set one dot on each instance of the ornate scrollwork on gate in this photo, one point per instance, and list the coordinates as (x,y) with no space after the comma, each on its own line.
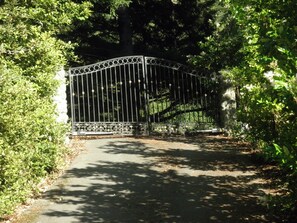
(105,65)
(153,61)
(181,129)
(110,128)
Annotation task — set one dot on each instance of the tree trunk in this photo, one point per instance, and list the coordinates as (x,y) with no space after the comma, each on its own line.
(125,31)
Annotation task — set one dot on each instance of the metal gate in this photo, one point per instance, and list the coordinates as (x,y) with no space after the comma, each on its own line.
(141,95)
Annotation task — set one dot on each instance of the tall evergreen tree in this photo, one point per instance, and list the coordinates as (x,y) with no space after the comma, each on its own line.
(169,29)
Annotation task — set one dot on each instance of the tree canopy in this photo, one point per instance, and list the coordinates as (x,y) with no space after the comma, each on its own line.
(169,29)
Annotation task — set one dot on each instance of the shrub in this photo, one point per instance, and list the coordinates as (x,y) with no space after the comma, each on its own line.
(31,139)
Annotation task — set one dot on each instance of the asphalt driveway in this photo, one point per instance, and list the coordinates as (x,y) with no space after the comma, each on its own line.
(199,179)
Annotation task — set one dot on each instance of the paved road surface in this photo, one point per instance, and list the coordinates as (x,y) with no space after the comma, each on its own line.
(199,180)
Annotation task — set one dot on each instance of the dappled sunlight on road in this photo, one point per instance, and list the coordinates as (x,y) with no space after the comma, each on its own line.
(160,180)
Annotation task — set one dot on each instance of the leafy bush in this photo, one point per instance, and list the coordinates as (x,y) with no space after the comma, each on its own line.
(268,81)
(261,35)
(267,76)
(31,139)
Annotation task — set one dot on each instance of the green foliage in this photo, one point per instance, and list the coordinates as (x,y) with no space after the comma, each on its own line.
(168,29)
(267,75)
(254,45)
(220,49)
(31,140)
(267,78)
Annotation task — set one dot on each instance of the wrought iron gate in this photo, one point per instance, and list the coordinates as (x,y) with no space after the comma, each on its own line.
(138,95)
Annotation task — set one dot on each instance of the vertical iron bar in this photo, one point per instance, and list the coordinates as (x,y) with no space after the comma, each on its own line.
(130,93)
(206,99)
(201,101)
(159,92)
(117,96)
(198,103)
(98,99)
(111,91)
(171,92)
(83,98)
(146,96)
(126,93)
(163,88)
(102,95)
(107,96)
(157,100)
(140,91)
(167,84)
(175,88)
(178,95)
(72,100)
(135,97)
(151,92)
(187,96)
(167,92)
(78,99)
(88,97)
(93,97)
(122,92)
(183,93)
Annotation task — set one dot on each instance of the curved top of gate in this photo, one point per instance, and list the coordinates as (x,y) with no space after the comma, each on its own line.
(135,59)
(105,64)
(170,64)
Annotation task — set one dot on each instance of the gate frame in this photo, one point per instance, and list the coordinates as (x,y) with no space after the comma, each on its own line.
(126,128)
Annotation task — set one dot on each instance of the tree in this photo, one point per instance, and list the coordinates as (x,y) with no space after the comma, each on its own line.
(220,50)
(169,29)
(125,32)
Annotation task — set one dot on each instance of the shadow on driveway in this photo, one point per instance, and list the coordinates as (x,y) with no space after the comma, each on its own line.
(202,179)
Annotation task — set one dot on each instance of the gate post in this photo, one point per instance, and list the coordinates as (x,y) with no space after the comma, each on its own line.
(228,104)
(146,95)
(60,99)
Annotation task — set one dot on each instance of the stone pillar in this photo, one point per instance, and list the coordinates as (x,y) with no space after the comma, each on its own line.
(60,99)
(228,105)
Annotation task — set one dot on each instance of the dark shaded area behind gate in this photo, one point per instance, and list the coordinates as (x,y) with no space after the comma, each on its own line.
(137,94)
